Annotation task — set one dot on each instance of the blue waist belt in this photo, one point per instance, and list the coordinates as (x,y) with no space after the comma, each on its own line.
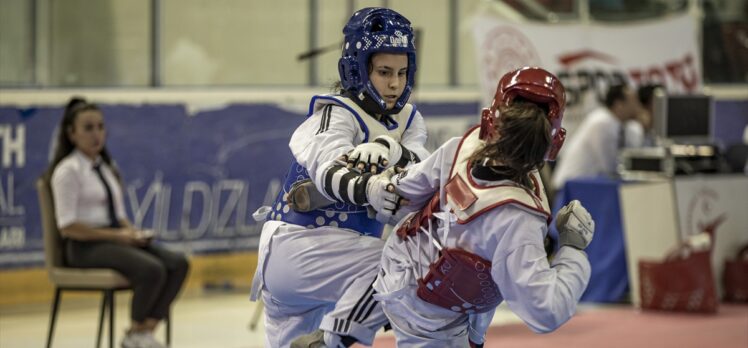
(340,215)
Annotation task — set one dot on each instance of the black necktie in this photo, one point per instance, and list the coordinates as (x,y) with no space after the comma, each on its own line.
(113,222)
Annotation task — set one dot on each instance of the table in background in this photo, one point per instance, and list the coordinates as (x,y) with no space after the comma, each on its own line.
(606,252)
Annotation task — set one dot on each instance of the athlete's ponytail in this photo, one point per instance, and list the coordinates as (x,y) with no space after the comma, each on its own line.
(523,138)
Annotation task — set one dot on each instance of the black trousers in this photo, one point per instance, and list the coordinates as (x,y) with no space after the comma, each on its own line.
(155,273)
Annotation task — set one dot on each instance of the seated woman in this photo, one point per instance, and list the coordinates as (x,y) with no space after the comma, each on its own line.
(90,214)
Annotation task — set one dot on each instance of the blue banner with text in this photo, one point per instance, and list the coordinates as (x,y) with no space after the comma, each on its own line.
(194,178)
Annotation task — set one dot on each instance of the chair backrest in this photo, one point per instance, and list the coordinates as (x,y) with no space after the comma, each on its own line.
(53,244)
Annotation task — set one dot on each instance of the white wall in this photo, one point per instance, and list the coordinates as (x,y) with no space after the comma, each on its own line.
(15,44)
(233,42)
(98,43)
(101,43)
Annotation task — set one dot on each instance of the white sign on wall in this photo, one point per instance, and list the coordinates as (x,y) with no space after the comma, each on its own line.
(714,200)
(590,57)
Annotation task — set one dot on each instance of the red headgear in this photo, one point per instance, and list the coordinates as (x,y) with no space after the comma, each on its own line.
(535,85)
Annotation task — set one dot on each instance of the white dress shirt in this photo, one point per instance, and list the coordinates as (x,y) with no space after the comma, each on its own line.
(80,196)
(593,148)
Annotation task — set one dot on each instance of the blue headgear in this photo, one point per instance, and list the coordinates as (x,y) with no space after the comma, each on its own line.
(374,30)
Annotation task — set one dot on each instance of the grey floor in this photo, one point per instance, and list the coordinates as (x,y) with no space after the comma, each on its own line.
(206,320)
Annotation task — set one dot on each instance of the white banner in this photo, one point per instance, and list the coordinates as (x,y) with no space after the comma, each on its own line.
(704,200)
(589,58)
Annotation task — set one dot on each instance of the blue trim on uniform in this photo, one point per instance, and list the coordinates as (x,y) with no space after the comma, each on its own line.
(341,104)
(339,215)
(361,122)
(314,101)
(410,118)
(392,126)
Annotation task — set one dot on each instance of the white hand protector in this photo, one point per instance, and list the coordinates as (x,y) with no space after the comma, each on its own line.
(380,193)
(575,225)
(382,151)
(368,156)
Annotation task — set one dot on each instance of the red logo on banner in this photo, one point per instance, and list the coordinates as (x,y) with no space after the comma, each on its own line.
(571,58)
(683,73)
(579,78)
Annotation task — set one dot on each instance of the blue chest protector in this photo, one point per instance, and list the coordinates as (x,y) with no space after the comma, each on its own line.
(340,214)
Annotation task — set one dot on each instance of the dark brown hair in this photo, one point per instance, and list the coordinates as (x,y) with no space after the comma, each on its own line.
(523,137)
(64,146)
(615,93)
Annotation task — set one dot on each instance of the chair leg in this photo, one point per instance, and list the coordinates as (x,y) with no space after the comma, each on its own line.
(101,318)
(168,329)
(53,316)
(110,294)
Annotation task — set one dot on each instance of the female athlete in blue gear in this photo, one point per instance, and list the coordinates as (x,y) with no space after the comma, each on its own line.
(320,248)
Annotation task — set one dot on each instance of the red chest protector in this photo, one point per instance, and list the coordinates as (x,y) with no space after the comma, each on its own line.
(460,280)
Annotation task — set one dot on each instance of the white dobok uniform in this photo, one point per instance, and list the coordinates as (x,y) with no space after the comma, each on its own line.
(315,269)
(506,226)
